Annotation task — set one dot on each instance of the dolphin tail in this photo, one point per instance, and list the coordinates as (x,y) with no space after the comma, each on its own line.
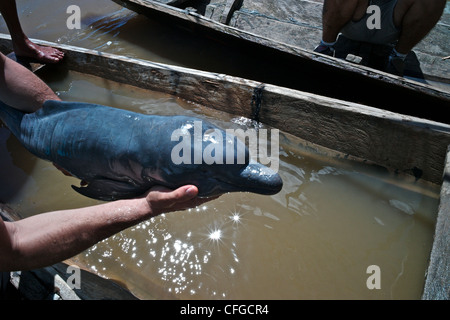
(11,117)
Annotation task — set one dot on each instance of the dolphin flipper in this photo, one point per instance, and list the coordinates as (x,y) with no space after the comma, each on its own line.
(109,190)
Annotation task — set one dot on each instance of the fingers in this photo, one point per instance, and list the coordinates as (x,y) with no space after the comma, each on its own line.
(162,199)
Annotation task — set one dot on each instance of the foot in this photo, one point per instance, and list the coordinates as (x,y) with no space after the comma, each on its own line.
(324,49)
(37,53)
(395,65)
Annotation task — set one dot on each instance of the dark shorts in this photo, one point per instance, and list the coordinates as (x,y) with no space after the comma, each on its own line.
(4,280)
(388,33)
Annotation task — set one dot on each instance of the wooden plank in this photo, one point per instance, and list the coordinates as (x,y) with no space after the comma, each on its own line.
(395,141)
(51,283)
(172,2)
(92,287)
(437,284)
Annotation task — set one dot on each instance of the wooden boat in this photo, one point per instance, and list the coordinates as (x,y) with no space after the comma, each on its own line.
(398,143)
(281,36)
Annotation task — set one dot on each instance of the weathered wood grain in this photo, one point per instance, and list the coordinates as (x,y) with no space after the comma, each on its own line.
(437,284)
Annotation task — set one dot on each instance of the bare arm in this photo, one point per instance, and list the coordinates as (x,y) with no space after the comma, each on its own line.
(20,88)
(52,237)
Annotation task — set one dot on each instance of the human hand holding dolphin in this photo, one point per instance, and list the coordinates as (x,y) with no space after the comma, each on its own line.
(163,200)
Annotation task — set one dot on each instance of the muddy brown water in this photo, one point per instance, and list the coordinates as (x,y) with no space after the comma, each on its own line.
(314,240)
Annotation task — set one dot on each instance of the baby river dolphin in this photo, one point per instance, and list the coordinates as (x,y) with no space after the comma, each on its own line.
(121,154)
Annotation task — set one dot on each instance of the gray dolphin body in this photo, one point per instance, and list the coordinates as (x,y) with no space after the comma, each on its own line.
(122,154)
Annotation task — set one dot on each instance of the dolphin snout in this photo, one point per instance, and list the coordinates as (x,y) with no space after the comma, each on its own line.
(260,179)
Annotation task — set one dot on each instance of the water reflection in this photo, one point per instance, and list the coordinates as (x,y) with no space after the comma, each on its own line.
(104,27)
(236,218)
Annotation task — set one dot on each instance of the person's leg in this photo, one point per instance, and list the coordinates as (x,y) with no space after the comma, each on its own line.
(336,14)
(416,18)
(22,45)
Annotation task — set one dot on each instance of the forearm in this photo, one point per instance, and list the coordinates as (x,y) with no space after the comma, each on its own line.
(20,88)
(47,238)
